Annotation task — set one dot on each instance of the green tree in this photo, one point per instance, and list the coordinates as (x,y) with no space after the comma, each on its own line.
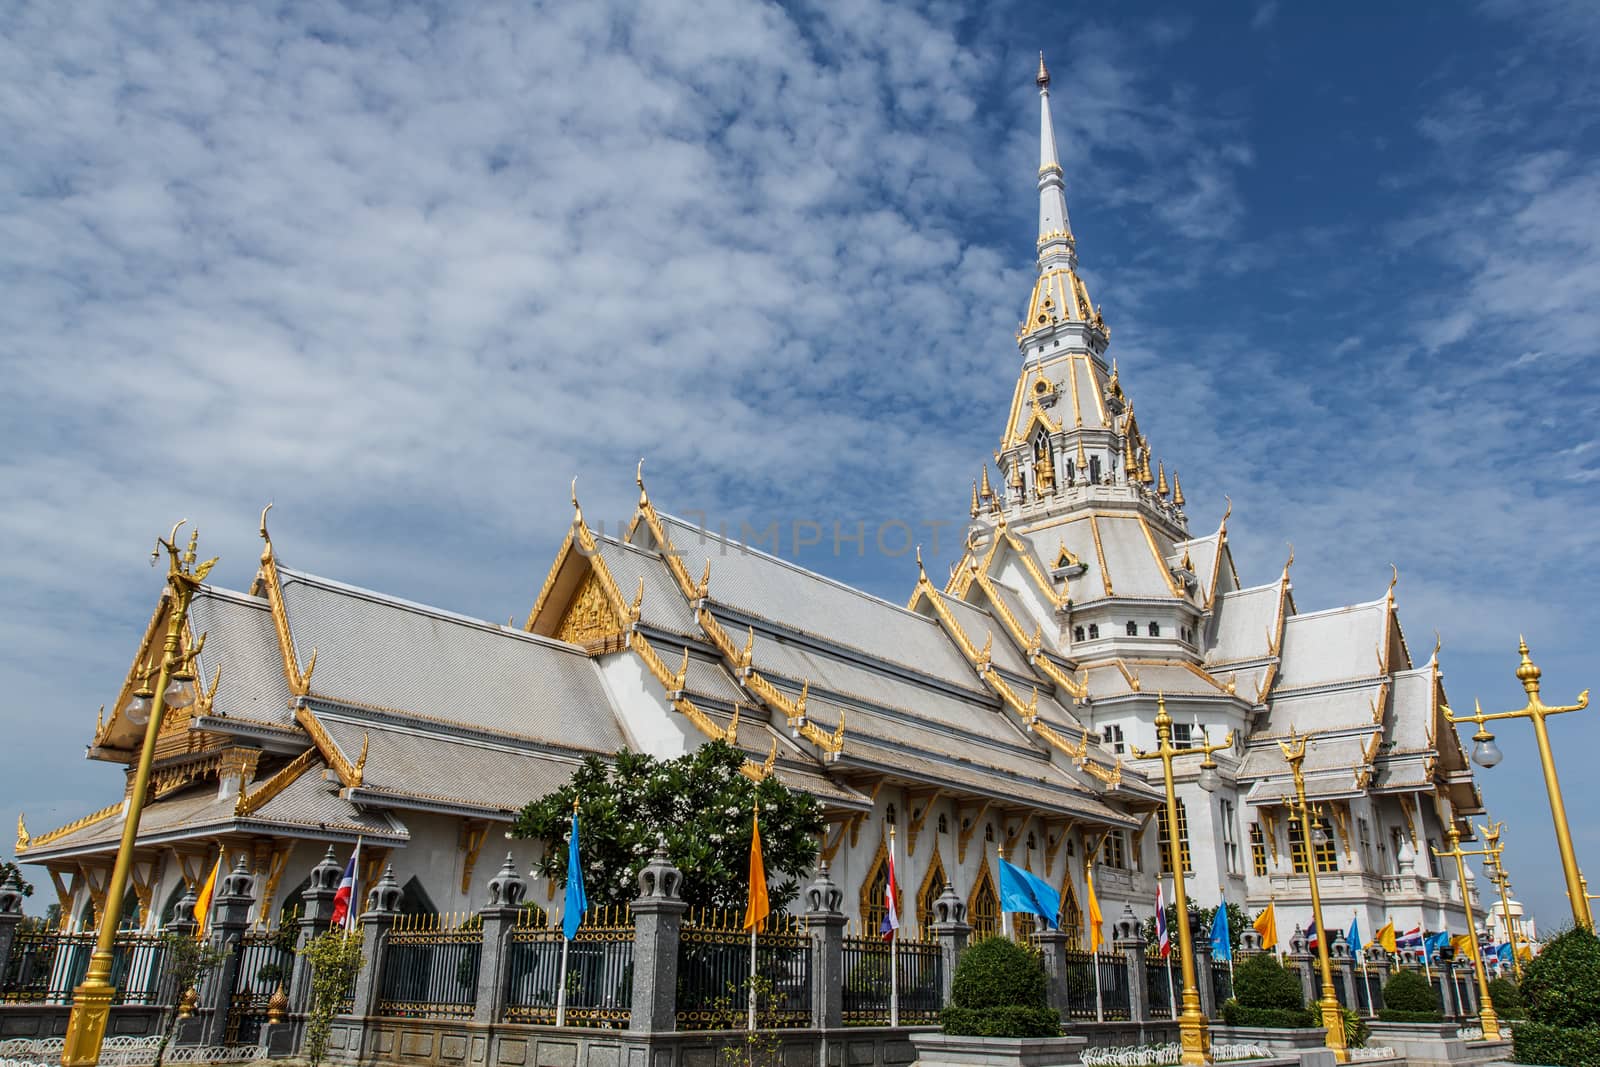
(336,959)
(698,803)
(999,990)
(1200,924)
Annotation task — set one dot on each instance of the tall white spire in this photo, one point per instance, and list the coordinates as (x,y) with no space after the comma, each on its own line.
(1055,229)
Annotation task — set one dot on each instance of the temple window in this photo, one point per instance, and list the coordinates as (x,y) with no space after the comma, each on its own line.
(889,815)
(1327,855)
(1258,850)
(1114,737)
(1077,633)
(983,909)
(1166,839)
(944,823)
(1094,630)
(1132,628)
(1094,469)
(1154,629)
(988,831)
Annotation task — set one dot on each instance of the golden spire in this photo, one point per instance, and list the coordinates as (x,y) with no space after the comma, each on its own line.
(1144,471)
(1042,80)
(1188,564)
(974,499)
(1130,465)
(1083,462)
(1114,383)
(1161,485)
(984,490)
(1177,490)
(1015,481)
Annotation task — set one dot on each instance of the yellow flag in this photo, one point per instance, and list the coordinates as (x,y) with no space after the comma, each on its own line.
(202,903)
(1384,938)
(755,912)
(1266,925)
(1095,919)
(1461,945)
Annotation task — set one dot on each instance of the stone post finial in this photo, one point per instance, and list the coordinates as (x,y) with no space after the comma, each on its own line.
(238,882)
(384,899)
(326,874)
(507,887)
(948,907)
(11,895)
(659,879)
(823,896)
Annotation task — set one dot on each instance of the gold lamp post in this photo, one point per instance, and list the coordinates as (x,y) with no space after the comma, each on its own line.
(1502,882)
(1486,1016)
(1194,1037)
(173,687)
(1294,753)
(1487,754)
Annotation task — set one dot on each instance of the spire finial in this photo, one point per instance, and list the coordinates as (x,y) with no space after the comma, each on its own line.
(1043,77)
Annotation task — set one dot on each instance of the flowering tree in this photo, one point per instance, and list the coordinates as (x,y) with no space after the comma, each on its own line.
(698,803)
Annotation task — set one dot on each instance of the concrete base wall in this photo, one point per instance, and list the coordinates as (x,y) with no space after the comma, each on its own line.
(50,1020)
(454,1043)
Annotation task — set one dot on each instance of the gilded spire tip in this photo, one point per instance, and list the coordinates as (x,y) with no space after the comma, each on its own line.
(1042,79)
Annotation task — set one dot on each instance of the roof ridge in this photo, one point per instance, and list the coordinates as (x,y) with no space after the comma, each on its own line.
(234,596)
(444,615)
(780,561)
(1334,611)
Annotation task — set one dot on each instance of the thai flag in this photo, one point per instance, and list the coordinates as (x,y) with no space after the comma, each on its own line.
(1311,939)
(891,912)
(1161,923)
(343,913)
(1412,938)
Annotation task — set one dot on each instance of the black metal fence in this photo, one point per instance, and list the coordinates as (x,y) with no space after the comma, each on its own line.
(921,973)
(714,972)
(430,968)
(46,965)
(266,962)
(1160,984)
(866,993)
(599,971)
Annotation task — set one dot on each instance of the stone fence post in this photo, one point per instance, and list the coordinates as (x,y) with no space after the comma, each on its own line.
(1052,946)
(1467,979)
(826,923)
(506,890)
(1202,978)
(1128,938)
(230,918)
(657,919)
(314,922)
(1344,963)
(10,915)
(951,930)
(383,908)
(1304,962)
(190,1030)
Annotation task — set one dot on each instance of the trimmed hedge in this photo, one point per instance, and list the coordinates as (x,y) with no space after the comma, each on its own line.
(1262,982)
(1000,1022)
(1558,1046)
(999,990)
(1395,1015)
(1506,998)
(1561,985)
(1412,994)
(1236,1014)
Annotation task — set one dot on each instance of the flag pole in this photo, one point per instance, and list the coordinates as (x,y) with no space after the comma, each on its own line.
(750,1021)
(1172,995)
(1094,933)
(1005,916)
(894,945)
(566,942)
(355,889)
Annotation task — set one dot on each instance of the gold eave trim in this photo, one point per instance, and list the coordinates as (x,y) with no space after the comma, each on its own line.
(26,843)
(251,802)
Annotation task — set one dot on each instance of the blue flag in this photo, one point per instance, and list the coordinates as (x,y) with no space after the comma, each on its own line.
(1434,942)
(1021,891)
(577,900)
(1221,938)
(1353,938)
(1503,953)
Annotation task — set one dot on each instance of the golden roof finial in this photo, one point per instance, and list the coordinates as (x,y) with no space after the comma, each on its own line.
(577,512)
(1394,581)
(747,653)
(705,580)
(361,760)
(1042,79)
(1114,383)
(23,839)
(1290,561)
(1144,470)
(638,479)
(731,734)
(974,499)
(984,489)
(922,575)
(1130,465)
(1222,528)
(266,548)
(1083,460)
(1188,564)
(1161,484)
(1177,490)
(638,599)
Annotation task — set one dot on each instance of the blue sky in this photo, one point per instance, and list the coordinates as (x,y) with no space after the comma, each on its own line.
(405,271)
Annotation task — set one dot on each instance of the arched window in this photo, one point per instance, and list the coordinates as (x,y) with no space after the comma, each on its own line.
(1077,633)
(988,832)
(1154,629)
(944,823)
(1071,918)
(1094,630)
(983,908)
(889,815)
(873,889)
(1094,469)
(1133,628)
(932,885)
(1022,927)
(1033,842)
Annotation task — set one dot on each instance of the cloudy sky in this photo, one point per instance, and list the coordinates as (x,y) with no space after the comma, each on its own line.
(406,270)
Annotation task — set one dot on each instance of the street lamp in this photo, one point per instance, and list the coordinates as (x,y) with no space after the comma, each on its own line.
(1486,1017)
(1294,753)
(1194,1038)
(91,1001)
(1487,753)
(1502,882)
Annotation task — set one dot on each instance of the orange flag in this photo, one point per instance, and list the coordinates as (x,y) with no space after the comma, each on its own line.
(202,903)
(755,913)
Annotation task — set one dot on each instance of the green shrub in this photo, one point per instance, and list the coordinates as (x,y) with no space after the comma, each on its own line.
(1236,1014)
(1262,982)
(1506,998)
(1559,1046)
(1411,993)
(1395,1015)
(999,990)
(1561,986)
(1356,1030)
